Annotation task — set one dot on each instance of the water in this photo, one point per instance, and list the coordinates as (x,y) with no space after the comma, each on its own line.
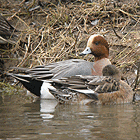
(44,119)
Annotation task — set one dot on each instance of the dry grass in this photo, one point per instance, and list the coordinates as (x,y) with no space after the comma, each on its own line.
(51,32)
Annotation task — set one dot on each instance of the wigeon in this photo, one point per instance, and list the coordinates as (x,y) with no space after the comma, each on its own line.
(35,79)
(6,31)
(106,89)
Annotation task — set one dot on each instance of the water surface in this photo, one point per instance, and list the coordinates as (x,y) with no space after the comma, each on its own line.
(44,119)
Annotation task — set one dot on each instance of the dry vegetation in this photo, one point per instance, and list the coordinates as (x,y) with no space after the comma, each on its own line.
(58,30)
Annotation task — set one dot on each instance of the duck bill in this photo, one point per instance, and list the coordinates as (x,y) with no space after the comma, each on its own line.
(86,51)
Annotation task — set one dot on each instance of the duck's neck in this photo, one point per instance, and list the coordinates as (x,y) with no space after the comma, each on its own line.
(101,56)
(99,65)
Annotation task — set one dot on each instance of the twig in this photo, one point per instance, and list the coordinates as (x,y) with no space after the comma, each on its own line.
(114,29)
(31,53)
(137,76)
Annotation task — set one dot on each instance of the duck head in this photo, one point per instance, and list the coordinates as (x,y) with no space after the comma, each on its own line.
(98,46)
(112,71)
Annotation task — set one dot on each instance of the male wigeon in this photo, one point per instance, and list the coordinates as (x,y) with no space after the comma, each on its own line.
(6,31)
(35,79)
(106,89)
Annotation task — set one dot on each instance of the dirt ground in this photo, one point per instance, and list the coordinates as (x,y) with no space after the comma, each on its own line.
(51,31)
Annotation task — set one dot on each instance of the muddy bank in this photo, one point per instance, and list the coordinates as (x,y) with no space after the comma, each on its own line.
(54,31)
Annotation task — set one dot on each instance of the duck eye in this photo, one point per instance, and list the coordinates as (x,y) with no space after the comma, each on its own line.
(87,49)
(96,43)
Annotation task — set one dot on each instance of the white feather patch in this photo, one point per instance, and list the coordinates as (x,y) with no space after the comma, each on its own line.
(86,91)
(45,94)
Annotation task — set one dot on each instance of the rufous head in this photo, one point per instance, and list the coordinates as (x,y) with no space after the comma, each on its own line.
(98,46)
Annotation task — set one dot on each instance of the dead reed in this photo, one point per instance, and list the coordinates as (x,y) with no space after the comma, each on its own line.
(53,31)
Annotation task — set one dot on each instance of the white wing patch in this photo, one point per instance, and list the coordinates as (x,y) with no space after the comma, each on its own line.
(86,91)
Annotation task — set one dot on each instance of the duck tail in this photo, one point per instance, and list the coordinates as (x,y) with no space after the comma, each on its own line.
(31,84)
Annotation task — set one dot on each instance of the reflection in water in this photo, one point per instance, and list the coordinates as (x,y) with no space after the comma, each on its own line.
(46,108)
(44,119)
